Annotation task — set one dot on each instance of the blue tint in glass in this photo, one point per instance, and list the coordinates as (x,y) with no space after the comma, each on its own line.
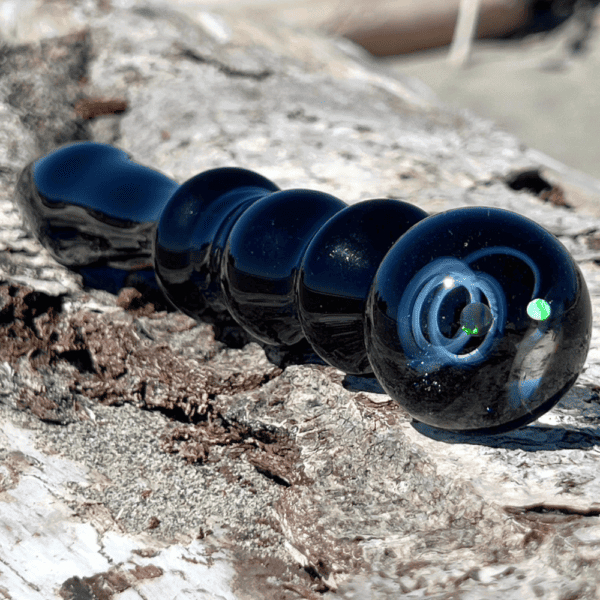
(336,275)
(192,232)
(89,203)
(474,320)
(521,367)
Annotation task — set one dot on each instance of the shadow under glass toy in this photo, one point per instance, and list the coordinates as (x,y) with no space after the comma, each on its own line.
(474,320)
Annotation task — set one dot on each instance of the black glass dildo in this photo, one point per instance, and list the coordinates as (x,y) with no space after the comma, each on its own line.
(474,320)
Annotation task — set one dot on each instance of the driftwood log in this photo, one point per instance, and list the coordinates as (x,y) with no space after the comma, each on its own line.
(147,456)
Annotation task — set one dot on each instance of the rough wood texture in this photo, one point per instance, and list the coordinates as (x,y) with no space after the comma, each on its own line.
(145,456)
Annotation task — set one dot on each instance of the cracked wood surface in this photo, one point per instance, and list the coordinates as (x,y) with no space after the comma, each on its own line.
(143,455)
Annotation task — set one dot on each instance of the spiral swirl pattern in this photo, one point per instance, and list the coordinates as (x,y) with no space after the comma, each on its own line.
(476,319)
(423,300)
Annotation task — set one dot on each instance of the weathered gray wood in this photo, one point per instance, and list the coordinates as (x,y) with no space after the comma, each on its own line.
(295,483)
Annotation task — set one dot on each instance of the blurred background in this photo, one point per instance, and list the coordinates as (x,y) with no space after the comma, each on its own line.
(532,66)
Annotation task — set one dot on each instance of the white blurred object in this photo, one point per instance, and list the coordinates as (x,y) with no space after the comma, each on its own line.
(465,32)
(25,21)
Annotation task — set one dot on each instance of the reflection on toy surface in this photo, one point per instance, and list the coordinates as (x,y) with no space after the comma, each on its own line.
(476,319)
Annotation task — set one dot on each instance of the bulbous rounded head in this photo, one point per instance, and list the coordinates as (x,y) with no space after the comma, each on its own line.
(478,320)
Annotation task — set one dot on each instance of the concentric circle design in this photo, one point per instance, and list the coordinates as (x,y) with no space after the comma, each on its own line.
(423,302)
(474,320)
(478,320)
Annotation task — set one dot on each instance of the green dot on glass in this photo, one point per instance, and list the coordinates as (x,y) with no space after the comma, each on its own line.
(476,319)
(538,309)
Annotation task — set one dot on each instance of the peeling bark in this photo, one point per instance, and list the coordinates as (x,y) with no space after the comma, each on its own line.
(141,451)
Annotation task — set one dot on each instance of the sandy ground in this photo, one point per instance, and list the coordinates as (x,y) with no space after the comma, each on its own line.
(531,88)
